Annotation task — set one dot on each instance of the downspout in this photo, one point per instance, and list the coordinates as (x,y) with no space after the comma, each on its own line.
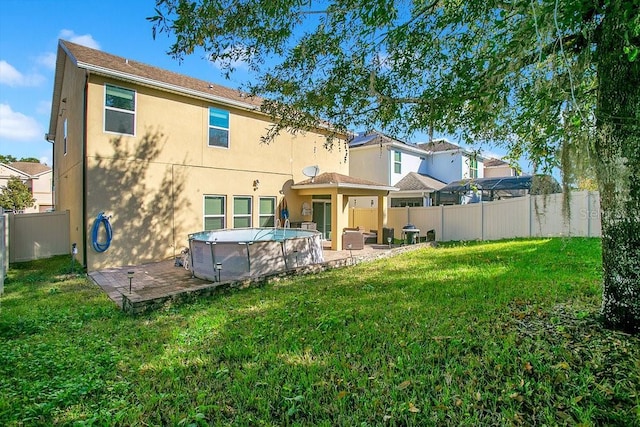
(84,168)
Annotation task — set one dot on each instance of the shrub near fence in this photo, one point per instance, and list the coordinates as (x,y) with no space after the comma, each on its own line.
(529,216)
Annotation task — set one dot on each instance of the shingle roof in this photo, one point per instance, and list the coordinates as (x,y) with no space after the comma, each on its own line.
(336,178)
(84,56)
(30,168)
(439,145)
(375,138)
(494,163)
(414,181)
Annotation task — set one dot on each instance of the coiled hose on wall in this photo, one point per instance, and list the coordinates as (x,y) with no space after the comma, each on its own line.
(103,220)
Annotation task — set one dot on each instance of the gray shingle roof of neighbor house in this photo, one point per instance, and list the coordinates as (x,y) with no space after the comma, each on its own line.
(439,145)
(30,168)
(491,163)
(414,181)
(376,138)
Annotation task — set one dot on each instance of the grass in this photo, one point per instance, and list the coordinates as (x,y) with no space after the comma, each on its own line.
(502,333)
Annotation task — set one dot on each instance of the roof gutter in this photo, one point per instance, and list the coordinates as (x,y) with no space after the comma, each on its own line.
(166,86)
(344,185)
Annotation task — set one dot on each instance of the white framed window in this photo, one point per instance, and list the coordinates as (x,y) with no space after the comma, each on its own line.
(64,141)
(242,211)
(214,212)
(119,110)
(218,128)
(397,162)
(267,213)
(473,167)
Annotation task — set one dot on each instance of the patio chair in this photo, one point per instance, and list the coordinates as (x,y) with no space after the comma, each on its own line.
(353,237)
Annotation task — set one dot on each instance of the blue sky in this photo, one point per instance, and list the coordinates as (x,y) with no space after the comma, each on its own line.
(29,33)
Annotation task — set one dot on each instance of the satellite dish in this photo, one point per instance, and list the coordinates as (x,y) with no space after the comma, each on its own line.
(311,171)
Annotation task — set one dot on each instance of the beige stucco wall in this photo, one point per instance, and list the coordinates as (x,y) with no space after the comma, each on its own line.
(67,169)
(153,184)
(498,171)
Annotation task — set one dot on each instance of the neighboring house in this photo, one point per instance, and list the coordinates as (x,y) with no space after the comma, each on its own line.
(377,157)
(380,158)
(498,168)
(416,190)
(37,177)
(449,162)
(165,155)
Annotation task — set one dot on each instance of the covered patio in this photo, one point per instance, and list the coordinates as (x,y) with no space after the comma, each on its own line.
(337,188)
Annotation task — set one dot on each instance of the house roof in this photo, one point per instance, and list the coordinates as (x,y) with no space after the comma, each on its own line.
(494,163)
(124,69)
(333,180)
(438,145)
(128,69)
(414,181)
(375,138)
(30,168)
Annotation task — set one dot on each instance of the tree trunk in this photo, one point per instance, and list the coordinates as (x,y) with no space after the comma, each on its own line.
(617,150)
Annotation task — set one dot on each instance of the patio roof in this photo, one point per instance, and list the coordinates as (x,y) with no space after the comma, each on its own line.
(342,183)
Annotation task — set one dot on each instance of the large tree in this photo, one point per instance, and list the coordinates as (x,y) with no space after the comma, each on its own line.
(557,80)
(16,195)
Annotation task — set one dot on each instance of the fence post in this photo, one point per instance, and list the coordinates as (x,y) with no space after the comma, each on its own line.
(588,213)
(3,250)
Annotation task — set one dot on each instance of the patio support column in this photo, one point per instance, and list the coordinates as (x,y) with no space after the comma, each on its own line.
(339,219)
(382,216)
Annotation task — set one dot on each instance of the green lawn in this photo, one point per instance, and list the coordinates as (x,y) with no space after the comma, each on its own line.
(503,333)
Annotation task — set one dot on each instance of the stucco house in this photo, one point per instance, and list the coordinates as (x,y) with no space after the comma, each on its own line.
(164,155)
(37,177)
(498,168)
(449,162)
(417,170)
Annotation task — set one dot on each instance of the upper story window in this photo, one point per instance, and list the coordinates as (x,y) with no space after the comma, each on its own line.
(397,162)
(218,128)
(241,212)
(214,208)
(119,110)
(473,167)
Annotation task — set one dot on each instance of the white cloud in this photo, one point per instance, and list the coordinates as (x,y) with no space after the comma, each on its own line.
(10,76)
(85,39)
(48,60)
(17,126)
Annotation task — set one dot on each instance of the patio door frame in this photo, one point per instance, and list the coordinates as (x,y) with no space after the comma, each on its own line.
(323,222)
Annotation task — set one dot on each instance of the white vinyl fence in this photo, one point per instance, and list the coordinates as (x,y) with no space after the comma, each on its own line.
(529,216)
(4,259)
(38,235)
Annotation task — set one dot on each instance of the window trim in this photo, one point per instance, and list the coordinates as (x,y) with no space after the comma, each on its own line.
(272,215)
(397,164)
(224,210)
(210,126)
(64,141)
(249,215)
(134,112)
(473,168)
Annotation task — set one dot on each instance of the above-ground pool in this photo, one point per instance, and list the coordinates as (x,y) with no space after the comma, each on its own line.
(240,253)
